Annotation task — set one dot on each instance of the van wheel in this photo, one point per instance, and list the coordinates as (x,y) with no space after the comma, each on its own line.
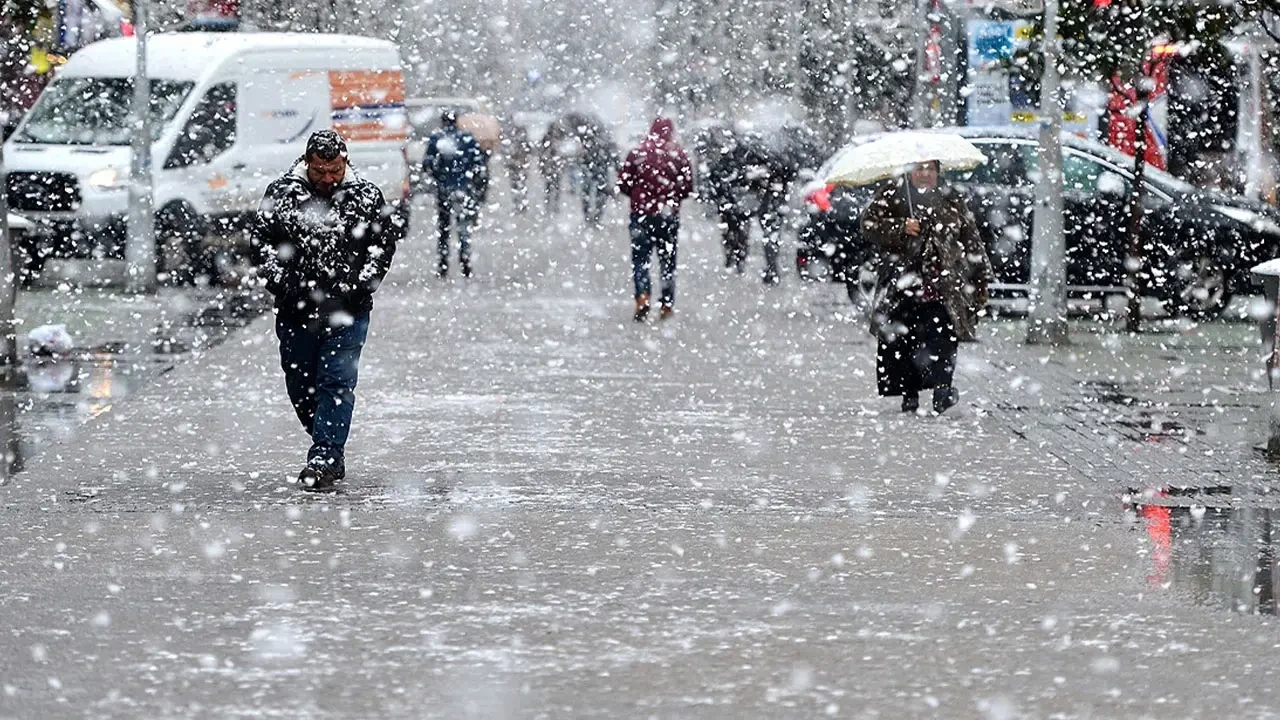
(181,258)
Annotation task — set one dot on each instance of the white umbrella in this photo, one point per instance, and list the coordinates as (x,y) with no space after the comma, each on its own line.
(894,154)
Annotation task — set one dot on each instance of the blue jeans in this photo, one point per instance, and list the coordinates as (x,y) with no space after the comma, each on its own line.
(650,233)
(320,372)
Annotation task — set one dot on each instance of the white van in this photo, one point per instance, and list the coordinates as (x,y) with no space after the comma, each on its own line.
(230,113)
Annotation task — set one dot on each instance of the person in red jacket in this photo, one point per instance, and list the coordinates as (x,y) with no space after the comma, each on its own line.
(657,177)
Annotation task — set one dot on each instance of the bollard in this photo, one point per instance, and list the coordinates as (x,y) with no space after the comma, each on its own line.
(1268,275)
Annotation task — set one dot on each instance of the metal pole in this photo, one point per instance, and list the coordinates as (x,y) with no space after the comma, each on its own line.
(8,281)
(1137,199)
(1273,371)
(1251,121)
(1048,320)
(920,111)
(140,244)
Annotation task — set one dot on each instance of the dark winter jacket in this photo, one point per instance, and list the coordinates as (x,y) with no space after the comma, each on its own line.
(323,255)
(657,175)
(456,161)
(747,179)
(946,261)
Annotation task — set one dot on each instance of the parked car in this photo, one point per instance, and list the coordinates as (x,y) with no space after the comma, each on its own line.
(230,113)
(1198,244)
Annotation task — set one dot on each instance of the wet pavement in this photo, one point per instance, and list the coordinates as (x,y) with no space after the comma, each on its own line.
(553,512)
(121,342)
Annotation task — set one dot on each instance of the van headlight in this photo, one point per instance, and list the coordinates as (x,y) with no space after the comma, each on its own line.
(106,179)
(1257,221)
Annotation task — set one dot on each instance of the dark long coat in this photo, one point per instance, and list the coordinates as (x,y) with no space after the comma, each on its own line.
(947,259)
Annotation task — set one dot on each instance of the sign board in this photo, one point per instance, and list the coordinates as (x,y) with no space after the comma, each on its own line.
(995,96)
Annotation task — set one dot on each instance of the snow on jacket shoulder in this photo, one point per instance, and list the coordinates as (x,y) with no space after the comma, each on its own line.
(320,255)
(657,175)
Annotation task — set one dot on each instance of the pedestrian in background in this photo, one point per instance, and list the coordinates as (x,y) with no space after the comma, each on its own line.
(461,173)
(518,153)
(931,287)
(749,182)
(599,157)
(325,238)
(657,177)
(551,166)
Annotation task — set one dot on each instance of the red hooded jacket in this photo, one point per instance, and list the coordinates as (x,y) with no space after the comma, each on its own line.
(656,175)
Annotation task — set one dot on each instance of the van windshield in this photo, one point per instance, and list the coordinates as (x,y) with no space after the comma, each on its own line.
(95,111)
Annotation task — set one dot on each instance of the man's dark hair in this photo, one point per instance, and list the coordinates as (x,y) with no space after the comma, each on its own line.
(326,145)
(449,117)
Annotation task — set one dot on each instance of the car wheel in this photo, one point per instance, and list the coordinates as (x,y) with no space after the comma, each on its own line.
(181,258)
(860,283)
(1202,289)
(28,259)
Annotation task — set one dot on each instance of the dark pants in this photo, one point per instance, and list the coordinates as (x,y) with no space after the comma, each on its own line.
(737,232)
(650,233)
(736,235)
(462,206)
(320,371)
(551,190)
(920,350)
(519,188)
(595,191)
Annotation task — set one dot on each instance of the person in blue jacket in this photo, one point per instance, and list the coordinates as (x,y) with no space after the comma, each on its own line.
(459,167)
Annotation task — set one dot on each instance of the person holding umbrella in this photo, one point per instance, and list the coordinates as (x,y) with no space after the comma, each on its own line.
(933,271)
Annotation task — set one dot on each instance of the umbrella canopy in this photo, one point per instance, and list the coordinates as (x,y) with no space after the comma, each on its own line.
(893,154)
(485,128)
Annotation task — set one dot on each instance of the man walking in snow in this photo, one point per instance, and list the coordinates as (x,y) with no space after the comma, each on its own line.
(461,171)
(657,177)
(325,238)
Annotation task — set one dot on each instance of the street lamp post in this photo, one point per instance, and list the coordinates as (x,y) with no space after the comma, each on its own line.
(140,244)
(1048,319)
(8,281)
(1134,259)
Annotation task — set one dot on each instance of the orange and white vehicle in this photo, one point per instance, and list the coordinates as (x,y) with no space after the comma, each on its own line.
(230,113)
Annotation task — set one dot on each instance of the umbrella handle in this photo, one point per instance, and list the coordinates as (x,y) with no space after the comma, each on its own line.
(906,190)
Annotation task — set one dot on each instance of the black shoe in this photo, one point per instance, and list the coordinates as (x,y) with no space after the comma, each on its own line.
(466,270)
(944,398)
(642,309)
(442,272)
(910,403)
(318,478)
(771,278)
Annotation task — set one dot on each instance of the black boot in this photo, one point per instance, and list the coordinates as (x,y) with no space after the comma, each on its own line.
(944,397)
(910,402)
(318,478)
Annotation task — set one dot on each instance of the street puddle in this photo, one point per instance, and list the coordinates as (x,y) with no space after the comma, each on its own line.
(1107,392)
(1151,426)
(48,398)
(1203,543)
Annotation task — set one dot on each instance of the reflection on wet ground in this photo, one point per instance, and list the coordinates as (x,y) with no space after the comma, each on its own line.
(47,398)
(1206,542)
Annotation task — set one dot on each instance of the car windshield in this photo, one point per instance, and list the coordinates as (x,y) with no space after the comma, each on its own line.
(95,111)
(1153,175)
